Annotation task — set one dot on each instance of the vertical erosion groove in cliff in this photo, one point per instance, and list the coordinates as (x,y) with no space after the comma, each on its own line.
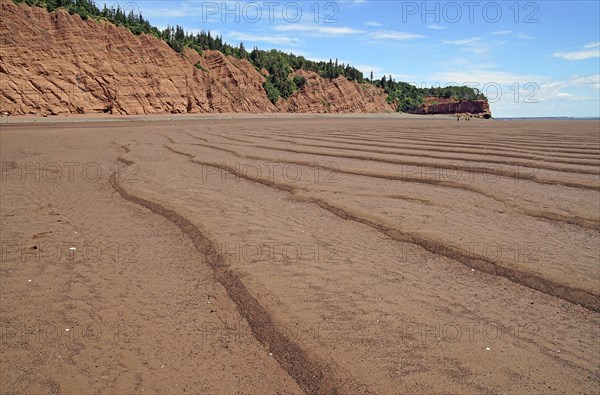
(311,374)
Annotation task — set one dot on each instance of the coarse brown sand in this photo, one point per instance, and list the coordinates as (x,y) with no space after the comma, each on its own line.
(300,255)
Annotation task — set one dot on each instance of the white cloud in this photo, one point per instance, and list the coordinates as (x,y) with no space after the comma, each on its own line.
(436,27)
(373,24)
(501,32)
(523,36)
(464,41)
(411,79)
(483,77)
(484,44)
(175,10)
(472,44)
(592,81)
(553,91)
(395,35)
(513,94)
(167,13)
(321,30)
(367,69)
(590,51)
(277,40)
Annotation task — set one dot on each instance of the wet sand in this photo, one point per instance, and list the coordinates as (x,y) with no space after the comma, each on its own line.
(300,255)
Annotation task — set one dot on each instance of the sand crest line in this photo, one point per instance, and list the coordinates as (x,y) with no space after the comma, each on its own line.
(441,142)
(517,139)
(309,372)
(480,170)
(530,280)
(402,152)
(512,153)
(578,221)
(527,155)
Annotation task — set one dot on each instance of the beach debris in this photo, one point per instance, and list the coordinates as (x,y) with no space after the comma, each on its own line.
(487,349)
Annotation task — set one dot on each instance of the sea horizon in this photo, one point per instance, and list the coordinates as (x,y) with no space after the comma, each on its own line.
(547,118)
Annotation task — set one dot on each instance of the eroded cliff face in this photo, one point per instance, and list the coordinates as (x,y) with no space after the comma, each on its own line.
(437,105)
(335,96)
(56,63)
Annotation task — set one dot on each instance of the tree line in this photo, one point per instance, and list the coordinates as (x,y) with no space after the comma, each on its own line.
(409,97)
(278,64)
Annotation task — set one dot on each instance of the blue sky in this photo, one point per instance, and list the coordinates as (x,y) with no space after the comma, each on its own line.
(530,58)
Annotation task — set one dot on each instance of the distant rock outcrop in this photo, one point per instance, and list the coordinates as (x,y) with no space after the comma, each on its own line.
(437,105)
(57,63)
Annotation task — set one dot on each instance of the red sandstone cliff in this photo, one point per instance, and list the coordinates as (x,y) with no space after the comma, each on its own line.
(335,96)
(437,105)
(56,63)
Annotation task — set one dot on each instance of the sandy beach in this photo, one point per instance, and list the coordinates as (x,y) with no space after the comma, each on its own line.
(285,254)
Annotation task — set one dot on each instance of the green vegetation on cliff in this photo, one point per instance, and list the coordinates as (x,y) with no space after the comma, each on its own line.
(280,65)
(409,97)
